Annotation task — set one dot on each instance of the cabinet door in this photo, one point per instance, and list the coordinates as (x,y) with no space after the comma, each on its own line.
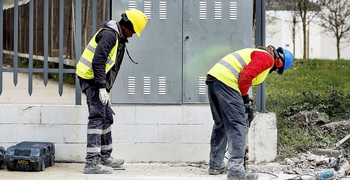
(158,76)
(211,30)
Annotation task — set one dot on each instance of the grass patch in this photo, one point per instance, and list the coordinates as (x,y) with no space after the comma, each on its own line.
(309,85)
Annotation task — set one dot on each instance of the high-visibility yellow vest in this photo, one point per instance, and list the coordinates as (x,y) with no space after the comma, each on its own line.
(228,69)
(84,66)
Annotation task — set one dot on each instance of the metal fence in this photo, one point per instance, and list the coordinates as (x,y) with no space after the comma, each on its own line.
(46,59)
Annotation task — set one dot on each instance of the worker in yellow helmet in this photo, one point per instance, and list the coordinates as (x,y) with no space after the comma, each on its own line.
(97,70)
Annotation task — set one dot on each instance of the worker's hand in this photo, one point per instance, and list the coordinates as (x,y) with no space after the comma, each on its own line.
(104,96)
(246,99)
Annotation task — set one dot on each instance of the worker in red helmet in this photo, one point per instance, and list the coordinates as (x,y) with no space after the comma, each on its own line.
(228,83)
(97,70)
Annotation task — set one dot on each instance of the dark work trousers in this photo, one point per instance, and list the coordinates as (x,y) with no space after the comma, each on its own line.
(99,136)
(229,128)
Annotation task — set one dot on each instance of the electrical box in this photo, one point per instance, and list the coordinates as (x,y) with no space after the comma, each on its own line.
(182,40)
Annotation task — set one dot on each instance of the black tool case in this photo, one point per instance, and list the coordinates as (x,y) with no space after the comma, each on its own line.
(2,154)
(30,156)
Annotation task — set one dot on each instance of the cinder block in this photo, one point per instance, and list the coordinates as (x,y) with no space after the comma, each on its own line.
(70,152)
(9,114)
(29,114)
(171,152)
(157,114)
(184,133)
(74,133)
(124,151)
(170,133)
(262,138)
(196,134)
(197,114)
(124,114)
(268,150)
(8,133)
(50,133)
(82,114)
(68,114)
(135,133)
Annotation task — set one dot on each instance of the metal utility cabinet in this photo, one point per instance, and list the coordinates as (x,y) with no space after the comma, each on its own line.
(182,40)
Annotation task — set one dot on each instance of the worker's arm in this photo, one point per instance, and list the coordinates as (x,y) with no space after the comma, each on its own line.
(105,42)
(260,61)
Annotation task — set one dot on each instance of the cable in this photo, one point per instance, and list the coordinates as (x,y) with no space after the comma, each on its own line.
(129,56)
(260,172)
(300,177)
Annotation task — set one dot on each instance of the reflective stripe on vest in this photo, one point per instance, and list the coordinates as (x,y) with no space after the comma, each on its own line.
(88,63)
(232,69)
(84,66)
(228,69)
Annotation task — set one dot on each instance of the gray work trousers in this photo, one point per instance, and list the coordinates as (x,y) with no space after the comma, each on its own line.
(99,135)
(230,128)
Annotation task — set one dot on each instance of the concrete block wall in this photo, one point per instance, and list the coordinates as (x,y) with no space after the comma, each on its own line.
(140,132)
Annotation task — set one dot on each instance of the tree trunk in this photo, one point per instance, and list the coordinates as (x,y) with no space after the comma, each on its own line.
(304,37)
(338,47)
(293,35)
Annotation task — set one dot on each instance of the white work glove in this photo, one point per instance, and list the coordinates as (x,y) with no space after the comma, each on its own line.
(104,96)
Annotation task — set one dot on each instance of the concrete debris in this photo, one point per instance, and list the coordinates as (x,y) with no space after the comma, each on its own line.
(328,152)
(309,118)
(303,163)
(289,162)
(336,125)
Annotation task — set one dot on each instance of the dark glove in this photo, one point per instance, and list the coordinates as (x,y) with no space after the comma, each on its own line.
(247,108)
(246,99)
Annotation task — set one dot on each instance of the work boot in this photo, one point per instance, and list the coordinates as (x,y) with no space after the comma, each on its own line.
(112,162)
(218,171)
(248,176)
(97,169)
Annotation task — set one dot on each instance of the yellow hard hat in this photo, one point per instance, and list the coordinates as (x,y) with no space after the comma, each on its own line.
(138,20)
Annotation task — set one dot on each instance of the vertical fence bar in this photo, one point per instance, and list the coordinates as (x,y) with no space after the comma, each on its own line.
(15,44)
(260,41)
(31,26)
(109,5)
(46,40)
(1,42)
(60,65)
(94,14)
(77,48)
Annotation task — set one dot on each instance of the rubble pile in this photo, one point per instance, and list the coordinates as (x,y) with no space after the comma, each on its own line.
(303,163)
(341,125)
(309,118)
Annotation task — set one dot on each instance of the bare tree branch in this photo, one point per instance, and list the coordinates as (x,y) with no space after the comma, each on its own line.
(335,17)
(307,10)
(291,6)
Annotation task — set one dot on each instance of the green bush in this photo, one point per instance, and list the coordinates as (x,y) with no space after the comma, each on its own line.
(334,104)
